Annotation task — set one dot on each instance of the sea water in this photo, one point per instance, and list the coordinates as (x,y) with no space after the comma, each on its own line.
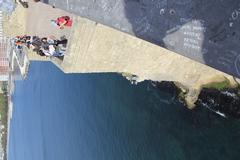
(61,116)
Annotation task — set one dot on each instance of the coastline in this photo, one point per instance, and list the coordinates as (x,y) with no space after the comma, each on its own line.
(188,75)
(189,94)
(8,127)
(5,110)
(219,82)
(10,110)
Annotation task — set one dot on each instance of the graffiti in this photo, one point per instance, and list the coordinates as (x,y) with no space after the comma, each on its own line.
(220,35)
(227,59)
(143,25)
(236,14)
(237,65)
(183,2)
(193,33)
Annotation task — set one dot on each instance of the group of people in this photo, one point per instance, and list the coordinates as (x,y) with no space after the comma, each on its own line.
(46,46)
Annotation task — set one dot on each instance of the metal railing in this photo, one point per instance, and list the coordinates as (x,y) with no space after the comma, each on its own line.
(19,58)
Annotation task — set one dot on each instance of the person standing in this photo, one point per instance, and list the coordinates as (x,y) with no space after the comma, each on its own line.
(61,22)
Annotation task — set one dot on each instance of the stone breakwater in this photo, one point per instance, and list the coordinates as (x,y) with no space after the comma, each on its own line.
(95,48)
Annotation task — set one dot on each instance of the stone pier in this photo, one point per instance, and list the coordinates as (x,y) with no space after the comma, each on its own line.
(94,47)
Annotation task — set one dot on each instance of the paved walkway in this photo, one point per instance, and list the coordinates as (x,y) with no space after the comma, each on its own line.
(39,20)
(206,31)
(39,16)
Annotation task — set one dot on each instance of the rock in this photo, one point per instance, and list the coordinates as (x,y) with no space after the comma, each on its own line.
(226,101)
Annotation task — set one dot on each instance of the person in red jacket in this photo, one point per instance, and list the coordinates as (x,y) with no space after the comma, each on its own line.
(61,22)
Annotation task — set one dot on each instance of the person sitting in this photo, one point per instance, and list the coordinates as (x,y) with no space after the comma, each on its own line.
(39,52)
(52,52)
(62,21)
(24,3)
(52,40)
(20,41)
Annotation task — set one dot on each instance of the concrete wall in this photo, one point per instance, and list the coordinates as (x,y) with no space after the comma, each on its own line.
(98,48)
(94,47)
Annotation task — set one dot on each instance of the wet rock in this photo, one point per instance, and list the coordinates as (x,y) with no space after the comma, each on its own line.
(225,102)
(167,86)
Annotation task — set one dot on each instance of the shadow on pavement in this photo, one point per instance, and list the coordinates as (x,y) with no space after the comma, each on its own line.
(206,31)
(46,1)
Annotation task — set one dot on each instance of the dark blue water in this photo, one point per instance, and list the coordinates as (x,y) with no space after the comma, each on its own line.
(104,117)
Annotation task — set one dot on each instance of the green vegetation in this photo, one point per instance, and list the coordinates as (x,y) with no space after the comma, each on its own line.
(4,120)
(218,85)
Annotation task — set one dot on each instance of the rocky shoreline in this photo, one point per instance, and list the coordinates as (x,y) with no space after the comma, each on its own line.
(224,102)
(3,125)
(190,94)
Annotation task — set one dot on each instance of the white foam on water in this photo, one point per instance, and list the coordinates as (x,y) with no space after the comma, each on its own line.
(217,112)
(229,94)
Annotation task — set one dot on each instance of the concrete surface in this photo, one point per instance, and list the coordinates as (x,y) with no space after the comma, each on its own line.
(38,22)
(206,31)
(94,47)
